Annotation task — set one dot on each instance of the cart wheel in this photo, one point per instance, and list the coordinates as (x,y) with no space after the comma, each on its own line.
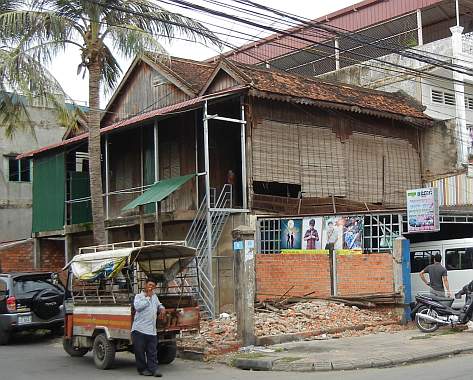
(75,352)
(167,353)
(104,352)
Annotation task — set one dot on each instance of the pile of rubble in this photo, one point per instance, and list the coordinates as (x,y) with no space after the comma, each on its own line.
(322,319)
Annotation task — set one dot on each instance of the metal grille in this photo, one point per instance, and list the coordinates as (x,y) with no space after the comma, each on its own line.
(268,235)
(380,230)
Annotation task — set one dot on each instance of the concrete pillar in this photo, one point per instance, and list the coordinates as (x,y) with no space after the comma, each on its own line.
(68,249)
(459,89)
(245,283)
(420,36)
(36,253)
(402,275)
(337,54)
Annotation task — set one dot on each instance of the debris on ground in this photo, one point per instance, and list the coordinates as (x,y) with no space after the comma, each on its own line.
(331,319)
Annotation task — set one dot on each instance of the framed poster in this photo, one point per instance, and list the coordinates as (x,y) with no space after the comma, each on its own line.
(312,233)
(343,232)
(291,233)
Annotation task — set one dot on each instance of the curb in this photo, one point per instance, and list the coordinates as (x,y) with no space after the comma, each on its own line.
(279,364)
(269,340)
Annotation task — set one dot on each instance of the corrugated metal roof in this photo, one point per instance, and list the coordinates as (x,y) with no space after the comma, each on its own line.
(358,16)
(186,105)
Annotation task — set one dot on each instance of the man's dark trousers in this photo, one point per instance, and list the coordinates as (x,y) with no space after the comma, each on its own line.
(145,347)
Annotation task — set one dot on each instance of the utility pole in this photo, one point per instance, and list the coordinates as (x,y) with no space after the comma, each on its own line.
(245,284)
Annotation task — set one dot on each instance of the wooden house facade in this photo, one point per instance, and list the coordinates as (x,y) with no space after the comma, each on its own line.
(280,136)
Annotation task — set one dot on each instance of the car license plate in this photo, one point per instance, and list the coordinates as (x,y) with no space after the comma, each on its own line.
(24,319)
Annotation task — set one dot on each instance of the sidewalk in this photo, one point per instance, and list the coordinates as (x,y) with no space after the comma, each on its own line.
(369,351)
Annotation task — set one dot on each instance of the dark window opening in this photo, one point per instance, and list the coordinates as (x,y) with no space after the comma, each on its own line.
(459,258)
(277,189)
(19,170)
(420,259)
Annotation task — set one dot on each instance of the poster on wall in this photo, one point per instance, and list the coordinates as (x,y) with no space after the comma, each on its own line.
(291,233)
(343,233)
(423,210)
(312,233)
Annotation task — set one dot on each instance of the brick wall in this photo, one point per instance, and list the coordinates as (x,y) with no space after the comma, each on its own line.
(52,255)
(356,274)
(276,274)
(18,257)
(365,274)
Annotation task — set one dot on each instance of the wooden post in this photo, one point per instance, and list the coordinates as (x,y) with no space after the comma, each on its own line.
(245,284)
(142,225)
(159,223)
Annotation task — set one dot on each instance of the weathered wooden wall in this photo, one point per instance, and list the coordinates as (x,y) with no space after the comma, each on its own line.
(145,90)
(124,168)
(177,157)
(221,82)
(334,153)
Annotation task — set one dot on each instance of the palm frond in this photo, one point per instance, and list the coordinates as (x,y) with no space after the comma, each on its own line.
(156,20)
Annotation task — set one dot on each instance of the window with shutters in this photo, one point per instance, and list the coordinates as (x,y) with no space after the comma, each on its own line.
(469,102)
(443,97)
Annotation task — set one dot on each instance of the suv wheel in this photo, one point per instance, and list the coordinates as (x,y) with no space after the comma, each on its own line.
(4,337)
(104,352)
(75,352)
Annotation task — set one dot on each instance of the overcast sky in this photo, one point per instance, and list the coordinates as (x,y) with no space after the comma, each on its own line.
(65,66)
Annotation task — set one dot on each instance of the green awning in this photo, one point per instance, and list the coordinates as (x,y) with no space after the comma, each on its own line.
(159,191)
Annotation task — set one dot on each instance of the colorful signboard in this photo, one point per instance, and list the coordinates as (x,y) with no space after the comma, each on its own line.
(423,210)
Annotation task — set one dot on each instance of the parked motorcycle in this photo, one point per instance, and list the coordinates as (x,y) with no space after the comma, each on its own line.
(430,312)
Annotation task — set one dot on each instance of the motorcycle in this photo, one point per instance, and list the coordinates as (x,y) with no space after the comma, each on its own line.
(430,312)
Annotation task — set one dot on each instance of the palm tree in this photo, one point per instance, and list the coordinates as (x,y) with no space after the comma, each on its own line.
(44,28)
(23,81)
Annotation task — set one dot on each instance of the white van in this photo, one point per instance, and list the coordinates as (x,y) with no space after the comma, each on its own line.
(457,257)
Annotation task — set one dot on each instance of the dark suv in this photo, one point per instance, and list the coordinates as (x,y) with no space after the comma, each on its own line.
(30,301)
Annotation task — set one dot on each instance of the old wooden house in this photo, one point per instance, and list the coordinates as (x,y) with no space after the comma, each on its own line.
(257,141)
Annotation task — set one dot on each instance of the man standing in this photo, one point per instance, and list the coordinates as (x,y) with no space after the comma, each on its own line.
(143,331)
(438,280)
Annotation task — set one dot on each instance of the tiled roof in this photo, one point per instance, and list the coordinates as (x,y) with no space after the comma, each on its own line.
(356,99)
(193,73)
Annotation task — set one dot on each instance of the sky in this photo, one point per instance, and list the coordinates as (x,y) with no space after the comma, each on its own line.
(64,67)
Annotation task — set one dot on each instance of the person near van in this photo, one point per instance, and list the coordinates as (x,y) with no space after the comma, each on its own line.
(438,280)
(143,330)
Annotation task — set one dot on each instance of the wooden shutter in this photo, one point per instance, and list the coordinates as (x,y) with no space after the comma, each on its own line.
(276,152)
(401,171)
(322,162)
(364,167)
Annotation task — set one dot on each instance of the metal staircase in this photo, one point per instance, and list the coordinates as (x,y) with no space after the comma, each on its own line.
(197,237)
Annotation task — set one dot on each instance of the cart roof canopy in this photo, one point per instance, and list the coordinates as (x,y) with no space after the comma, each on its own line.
(106,264)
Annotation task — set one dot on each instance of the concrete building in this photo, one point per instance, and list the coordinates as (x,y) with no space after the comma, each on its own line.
(16,175)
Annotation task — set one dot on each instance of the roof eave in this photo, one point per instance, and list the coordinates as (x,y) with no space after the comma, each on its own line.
(425,122)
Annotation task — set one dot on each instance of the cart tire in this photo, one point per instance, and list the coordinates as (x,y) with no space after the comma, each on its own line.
(167,353)
(75,352)
(104,352)
(4,337)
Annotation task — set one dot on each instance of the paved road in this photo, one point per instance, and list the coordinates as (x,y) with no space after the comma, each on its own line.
(42,358)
